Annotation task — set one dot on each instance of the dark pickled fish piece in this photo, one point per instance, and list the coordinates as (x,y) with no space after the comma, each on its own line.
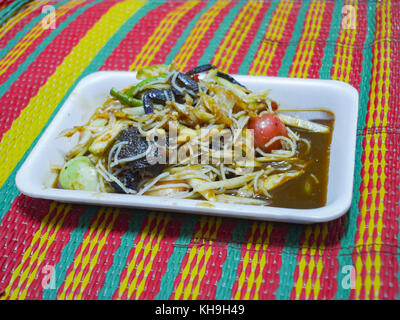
(156,95)
(135,146)
(160,95)
(208,67)
(229,78)
(147,104)
(129,179)
(137,169)
(200,69)
(179,97)
(188,82)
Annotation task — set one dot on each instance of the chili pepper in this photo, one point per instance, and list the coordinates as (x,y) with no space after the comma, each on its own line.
(138,87)
(125,99)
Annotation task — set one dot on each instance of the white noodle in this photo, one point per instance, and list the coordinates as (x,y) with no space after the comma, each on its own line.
(153,182)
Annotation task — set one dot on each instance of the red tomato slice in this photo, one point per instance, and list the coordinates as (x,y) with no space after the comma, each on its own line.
(265,128)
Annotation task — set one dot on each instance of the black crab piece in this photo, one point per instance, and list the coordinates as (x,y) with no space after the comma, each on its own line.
(156,95)
(129,179)
(220,74)
(229,78)
(200,69)
(135,170)
(188,82)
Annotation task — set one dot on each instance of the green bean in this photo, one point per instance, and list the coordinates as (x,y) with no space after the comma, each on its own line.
(125,99)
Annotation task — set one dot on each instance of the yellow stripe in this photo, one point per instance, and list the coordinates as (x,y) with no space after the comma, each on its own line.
(310,33)
(81,262)
(91,258)
(376,212)
(246,259)
(274,33)
(24,129)
(78,259)
(20,16)
(200,273)
(158,38)
(37,256)
(154,250)
(198,254)
(313,265)
(198,32)
(31,36)
(138,248)
(258,260)
(238,32)
(344,54)
(311,44)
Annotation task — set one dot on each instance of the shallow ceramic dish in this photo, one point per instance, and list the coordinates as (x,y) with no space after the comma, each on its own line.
(35,177)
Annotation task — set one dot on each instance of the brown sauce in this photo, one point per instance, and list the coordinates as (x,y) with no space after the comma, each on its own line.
(304,192)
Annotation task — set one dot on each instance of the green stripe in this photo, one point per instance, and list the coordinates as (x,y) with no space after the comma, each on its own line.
(71,247)
(179,252)
(9,192)
(233,251)
(228,278)
(10,10)
(296,35)
(289,262)
(231,263)
(398,237)
(28,27)
(258,39)
(172,55)
(175,261)
(345,254)
(292,240)
(220,33)
(42,46)
(329,51)
(112,281)
(68,252)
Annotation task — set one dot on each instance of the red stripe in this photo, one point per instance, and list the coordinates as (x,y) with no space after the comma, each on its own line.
(390,231)
(29,82)
(336,228)
(16,234)
(177,33)
(10,69)
(388,265)
(11,33)
(317,55)
(125,53)
(208,36)
(282,44)
(242,50)
(159,263)
(213,265)
(271,254)
(98,272)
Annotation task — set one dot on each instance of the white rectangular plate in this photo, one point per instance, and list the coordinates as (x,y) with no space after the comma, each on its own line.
(35,177)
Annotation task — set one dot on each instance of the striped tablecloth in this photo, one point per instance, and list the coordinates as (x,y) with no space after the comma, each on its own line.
(52,250)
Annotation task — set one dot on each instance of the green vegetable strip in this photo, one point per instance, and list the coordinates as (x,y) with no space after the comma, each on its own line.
(125,99)
(142,84)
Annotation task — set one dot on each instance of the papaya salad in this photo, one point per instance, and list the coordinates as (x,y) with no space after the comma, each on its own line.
(203,135)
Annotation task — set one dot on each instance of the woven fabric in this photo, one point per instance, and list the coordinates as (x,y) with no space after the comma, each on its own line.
(52,250)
